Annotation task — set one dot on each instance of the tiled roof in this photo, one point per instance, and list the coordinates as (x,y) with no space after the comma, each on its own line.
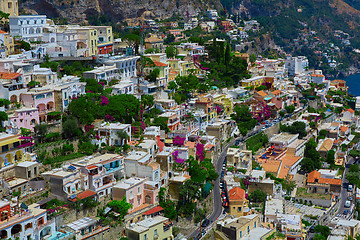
(350,110)
(262,93)
(326,145)
(271,166)
(159,64)
(8,75)
(83,195)
(2,32)
(153,210)
(237,194)
(276,92)
(312,176)
(343,128)
(316,175)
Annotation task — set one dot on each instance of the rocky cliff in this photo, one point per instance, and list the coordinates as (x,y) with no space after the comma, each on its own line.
(77,11)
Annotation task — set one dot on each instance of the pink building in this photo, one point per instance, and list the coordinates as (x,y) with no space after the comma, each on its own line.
(132,189)
(26,118)
(40,98)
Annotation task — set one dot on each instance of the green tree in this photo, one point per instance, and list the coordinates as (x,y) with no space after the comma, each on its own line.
(252,58)
(169,39)
(257,196)
(147,101)
(153,75)
(171,52)
(330,157)
(24,45)
(322,230)
(121,207)
(41,130)
(70,128)
(25,132)
(288,185)
(354,153)
(243,118)
(162,122)
(132,40)
(290,109)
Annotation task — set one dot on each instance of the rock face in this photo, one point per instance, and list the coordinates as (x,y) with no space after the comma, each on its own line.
(77,11)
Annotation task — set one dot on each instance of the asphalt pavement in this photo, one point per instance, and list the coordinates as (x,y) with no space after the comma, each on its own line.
(217,210)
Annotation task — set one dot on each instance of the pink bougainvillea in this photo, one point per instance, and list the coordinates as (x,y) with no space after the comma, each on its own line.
(109,117)
(134,129)
(102,83)
(176,157)
(200,151)
(104,101)
(178,141)
(97,137)
(218,109)
(143,126)
(88,127)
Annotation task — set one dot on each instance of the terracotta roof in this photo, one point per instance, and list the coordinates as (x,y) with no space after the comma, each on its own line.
(153,39)
(330,181)
(343,128)
(316,175)
(91,167)
(276,92)
(338,81)
(159,143)
(8,75)
(237,194)
(317,75)
(209,146)
(153,210)
(190,144)
(83,195)
(350,110)
(312,176)
(335,124)
(326,145)
(142,206)
(283,172)
(289,160)
(159,64)
(262,93)
(271,166)
(2,32)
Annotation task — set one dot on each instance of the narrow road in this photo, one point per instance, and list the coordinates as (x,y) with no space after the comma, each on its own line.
(216,190)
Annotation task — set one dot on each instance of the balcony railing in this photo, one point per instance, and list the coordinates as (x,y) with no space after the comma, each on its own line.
(41,226)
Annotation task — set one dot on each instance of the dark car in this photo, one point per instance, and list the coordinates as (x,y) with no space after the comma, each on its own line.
(205,223)
(346,211)
(312,229)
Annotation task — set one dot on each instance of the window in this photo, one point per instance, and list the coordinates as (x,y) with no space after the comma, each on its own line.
(138,189)
(145,237)
(131,194)
(248,229)
(254,224)
(239,209)
(240,233)
(155,233)
(9,5)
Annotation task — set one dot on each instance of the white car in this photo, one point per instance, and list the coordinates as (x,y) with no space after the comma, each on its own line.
(347,204)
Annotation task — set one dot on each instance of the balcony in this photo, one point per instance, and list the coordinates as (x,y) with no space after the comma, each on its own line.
(95,232)
(39,227)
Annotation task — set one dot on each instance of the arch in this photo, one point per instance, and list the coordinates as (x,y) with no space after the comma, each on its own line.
(19,155)
(148,199)
(13,99)
(46,231)
(3,234)
(52,39)
(33,122)
(16,229)
(41,107)
(31,30)
(9,157)
(38,30)
(50,105)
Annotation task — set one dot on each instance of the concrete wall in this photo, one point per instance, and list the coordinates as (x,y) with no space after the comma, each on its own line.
(318,202)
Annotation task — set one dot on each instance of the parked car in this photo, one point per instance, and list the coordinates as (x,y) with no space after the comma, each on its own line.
(346,211)
(347,204)
(350,198)
(205,223)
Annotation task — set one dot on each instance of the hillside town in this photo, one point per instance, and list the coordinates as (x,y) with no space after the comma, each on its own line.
(171,136)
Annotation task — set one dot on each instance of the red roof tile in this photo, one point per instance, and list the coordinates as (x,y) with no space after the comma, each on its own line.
(237,194)
(8,75)
(83,195)
(160,64)
(153,210)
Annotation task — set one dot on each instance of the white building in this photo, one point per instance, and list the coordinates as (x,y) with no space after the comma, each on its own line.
(106,73)
(28,27)
(125,65)
(68,87)
(124,87)
(296,65)
(108,134)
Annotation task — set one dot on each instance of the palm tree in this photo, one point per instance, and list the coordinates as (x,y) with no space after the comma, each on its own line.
(123,136)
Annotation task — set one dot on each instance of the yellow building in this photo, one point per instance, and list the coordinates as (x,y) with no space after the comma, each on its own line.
(225,102)
(7,43)
(12,150)
(157,227)
(87,43)
(253,82)
(104,39)
(9,6)
(238,204)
